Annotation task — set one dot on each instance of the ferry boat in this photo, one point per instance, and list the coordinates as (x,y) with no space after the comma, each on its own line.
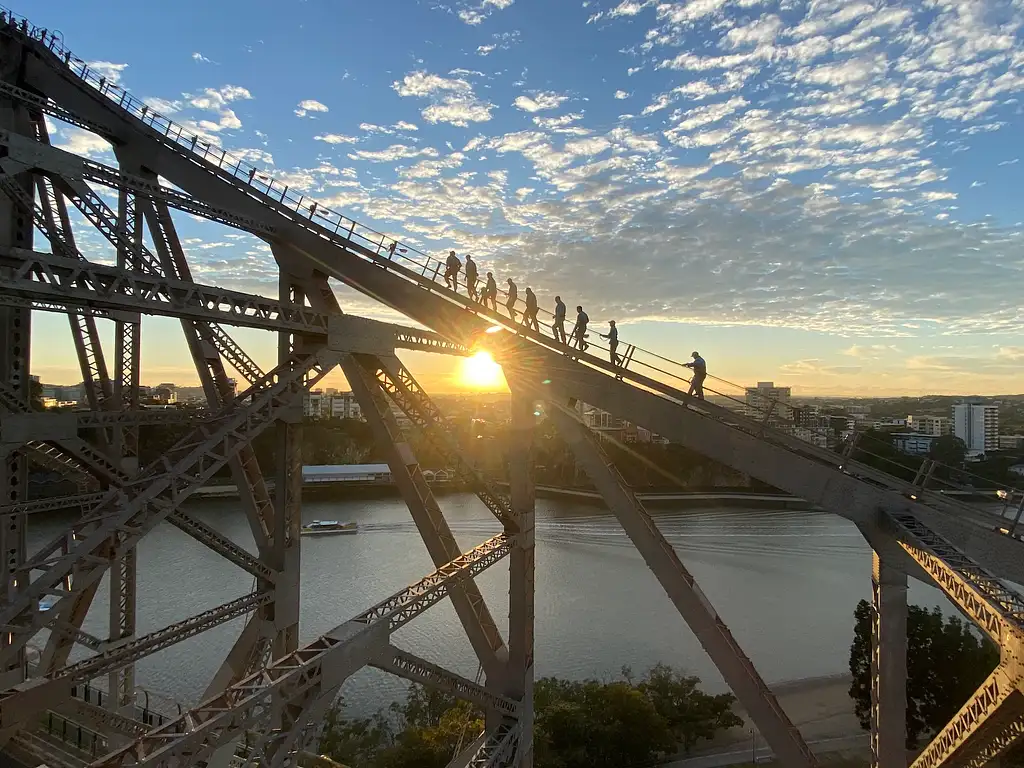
(329,528)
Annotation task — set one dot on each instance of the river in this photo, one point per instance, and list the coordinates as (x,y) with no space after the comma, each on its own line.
(786,583)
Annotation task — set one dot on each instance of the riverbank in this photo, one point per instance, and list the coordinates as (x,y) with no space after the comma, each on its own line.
(727,497)
(820,707)
(704,498)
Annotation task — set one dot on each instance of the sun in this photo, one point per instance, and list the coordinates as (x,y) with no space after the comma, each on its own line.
(481,372)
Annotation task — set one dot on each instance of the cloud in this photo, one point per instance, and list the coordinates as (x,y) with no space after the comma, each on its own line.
(310,105)
(427,169)
(336,138)
(792,164)
(392,153)
(540,101)
(388,130)
(426,84)
(502,42)
(84,143)
(476,14)
(199,58)
(106,69)
(870,351)
(453,99)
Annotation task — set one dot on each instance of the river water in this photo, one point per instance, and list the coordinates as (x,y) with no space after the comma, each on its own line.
(786,583)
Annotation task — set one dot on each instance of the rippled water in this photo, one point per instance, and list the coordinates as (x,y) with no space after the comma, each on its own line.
(786,583)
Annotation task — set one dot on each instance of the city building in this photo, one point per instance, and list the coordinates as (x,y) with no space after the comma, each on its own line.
(759,401)
(333,405)
(608,426)
(343,405)
(913,443)
(1010,442)
(891,423)
(71,393)
(347,473)
(812,426)
(977,425)
(929,425)
(165,393)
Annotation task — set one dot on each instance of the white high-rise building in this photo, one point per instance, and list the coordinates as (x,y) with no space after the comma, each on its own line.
(759,400)
(978,426)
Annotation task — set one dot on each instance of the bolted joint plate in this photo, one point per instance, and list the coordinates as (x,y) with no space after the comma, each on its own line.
(1011,658)
(358,645)
(21,428)
(347,333)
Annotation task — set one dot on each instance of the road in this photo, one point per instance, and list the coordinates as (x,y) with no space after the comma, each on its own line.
(738,757)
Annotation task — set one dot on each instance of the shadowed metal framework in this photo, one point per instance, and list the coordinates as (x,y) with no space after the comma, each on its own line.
(265,702)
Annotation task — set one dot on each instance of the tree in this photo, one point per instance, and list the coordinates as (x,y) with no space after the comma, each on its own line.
(691,714)
(357,741)
(946,662)
(596,725)
(35,394)
(949,450)
(578,724)
(877,448)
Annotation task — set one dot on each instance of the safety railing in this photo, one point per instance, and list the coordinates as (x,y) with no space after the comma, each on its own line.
(90,694)
(429,272)
(73,735)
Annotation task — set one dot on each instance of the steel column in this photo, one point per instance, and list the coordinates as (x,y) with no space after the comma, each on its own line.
(519,681)
(16,231)
(888,664)
(127,354)
(693,605)
(287,500)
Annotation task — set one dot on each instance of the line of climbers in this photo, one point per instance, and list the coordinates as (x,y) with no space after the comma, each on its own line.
(577,339)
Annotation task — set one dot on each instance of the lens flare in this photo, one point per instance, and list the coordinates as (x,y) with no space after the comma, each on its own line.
(481,372)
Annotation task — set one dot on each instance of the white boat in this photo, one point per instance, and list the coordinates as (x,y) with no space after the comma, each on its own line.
(328,528)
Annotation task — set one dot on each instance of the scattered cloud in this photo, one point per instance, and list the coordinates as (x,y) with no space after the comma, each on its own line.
(215,98)
(454,101)
(392,153)
(793,164)
(199,58)
(84,143)
(310,105)
(474,14)
(540,101)
(502,41)
(108,70)
(336,138)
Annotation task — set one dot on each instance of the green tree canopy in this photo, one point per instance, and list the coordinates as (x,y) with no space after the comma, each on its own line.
(578,724)
(949,450)
(946,662)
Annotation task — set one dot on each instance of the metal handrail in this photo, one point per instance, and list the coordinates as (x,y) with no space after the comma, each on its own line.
(409,262)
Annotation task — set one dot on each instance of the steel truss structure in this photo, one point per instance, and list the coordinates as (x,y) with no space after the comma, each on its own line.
(266,700)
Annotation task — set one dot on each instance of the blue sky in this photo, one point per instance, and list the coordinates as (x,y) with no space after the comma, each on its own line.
(826,194)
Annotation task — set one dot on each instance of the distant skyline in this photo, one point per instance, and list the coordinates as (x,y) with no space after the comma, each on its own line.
(822,194)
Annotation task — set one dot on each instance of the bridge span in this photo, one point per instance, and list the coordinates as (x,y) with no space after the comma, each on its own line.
(271,692)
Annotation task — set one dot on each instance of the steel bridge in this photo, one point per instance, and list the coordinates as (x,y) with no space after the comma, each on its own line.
(271,692)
